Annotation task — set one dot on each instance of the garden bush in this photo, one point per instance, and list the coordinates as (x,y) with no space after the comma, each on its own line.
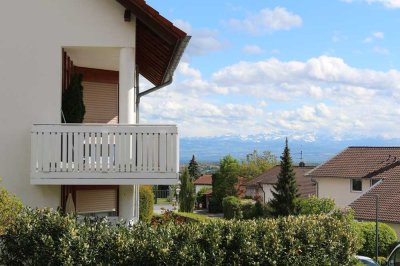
(232,208)
(314,205)
(146,203)
(387,237)
(46,237)
(10,206)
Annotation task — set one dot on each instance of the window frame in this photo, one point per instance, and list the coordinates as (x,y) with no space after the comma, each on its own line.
(352,185)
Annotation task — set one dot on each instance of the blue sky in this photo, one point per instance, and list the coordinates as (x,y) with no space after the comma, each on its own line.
(303,69)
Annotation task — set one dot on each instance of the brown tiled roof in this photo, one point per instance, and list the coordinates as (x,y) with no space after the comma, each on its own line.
(359,162)
(203,180)
(159,44)
(305,185)
(389,199)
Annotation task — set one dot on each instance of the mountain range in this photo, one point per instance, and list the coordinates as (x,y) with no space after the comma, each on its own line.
(212,149)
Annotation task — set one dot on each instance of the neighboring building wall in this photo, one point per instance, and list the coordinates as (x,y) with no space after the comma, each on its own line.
(32,35)
(268,194)
(396,227)
(199,187)
(339,189)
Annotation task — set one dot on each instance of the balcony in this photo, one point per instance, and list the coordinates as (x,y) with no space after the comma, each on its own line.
(103,154)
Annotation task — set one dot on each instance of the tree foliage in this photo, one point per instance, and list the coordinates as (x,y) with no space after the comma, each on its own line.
(255,164)
(10,206)
(146,203)
(72,101)
(314,205)
(193,168)
(223,182)
(187,193)
(386,235)
(284,191)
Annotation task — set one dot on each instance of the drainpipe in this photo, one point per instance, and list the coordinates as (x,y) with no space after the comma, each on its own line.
(143,93)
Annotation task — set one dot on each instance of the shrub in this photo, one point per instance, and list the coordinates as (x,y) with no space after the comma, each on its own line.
(314,205)
(146,203)
(40,236)
(232,208)
(187,194)
(387,236)
(10,206)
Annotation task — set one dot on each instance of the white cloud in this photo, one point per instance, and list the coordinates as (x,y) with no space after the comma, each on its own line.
(267,20)
(381,50)
(203,40)
(253,49)
(392,4)
(306,99)
(374,36)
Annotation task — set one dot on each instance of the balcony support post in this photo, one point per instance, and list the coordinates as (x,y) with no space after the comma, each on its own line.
(129,200)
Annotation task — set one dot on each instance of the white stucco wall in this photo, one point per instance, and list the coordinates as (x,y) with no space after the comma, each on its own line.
(32,35)
(339,189)
(199,187)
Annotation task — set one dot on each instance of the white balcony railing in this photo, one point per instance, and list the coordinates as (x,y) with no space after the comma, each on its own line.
(103,154)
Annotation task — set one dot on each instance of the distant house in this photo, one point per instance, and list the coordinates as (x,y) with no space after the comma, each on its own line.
(353,172)
(262,185)
(388,191)
(204,181)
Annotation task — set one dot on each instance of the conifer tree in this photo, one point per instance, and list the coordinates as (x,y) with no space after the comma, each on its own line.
(186,195)
(193,168)
(72,101)
(284,191)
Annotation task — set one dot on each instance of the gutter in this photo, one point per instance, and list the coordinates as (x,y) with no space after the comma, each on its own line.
(168,76)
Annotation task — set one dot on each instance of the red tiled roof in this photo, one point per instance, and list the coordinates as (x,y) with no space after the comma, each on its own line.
(159,44)
(204,180)
(388,191)
(358,162)
(305,186)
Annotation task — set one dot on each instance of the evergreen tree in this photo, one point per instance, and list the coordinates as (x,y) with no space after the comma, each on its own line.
(187,195)
(194,171)
(72,101)
(284,191)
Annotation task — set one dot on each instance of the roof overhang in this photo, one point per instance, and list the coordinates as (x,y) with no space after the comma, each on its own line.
(159,44)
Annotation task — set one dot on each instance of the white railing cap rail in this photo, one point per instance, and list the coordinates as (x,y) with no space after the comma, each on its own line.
(117,128)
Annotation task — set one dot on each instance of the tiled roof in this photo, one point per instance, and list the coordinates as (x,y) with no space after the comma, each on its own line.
(388,191)
(204,180)
(359,162)
(305,185)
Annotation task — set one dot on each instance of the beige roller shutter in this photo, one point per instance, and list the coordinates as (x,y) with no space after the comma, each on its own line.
(101,102)
(96,200)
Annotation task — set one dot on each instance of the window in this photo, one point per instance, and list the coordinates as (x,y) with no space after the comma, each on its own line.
(374,181)
(356,185)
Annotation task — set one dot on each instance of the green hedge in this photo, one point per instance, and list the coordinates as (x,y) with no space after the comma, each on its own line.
(10,206)
(39,236)
(387,237)
(146,203)
(232,208)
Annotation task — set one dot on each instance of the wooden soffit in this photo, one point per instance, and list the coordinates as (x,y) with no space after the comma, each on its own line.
(159,44)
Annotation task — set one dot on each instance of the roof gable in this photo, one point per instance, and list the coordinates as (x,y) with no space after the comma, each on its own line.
(388,191)
(305,185)
(359,162)
(203,180)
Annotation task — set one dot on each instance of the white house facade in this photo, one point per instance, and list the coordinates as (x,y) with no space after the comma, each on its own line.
(96,166)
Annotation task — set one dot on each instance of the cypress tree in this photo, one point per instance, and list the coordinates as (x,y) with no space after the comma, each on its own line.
(284,191)
(72,101)
(187,195)
(193,168)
